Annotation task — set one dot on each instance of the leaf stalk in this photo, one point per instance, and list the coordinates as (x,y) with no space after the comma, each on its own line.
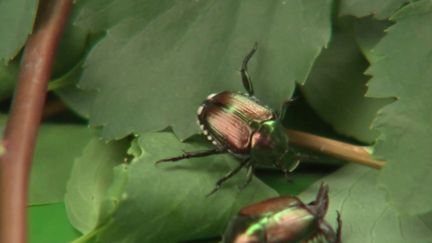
(333,148)
(26,112)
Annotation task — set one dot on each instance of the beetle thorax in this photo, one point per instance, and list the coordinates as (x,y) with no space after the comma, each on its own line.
(269,143)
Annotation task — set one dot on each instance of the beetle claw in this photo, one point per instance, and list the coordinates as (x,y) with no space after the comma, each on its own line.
(161,161)
(217,187)
(339,228)
(171,159)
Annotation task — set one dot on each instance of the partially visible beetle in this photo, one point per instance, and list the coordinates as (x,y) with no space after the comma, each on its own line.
(284,219)
(238,123)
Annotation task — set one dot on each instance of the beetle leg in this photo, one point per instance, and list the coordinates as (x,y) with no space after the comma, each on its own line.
(339,228)
(247,82)
(250,171)
(227,176)
(326,230)
(285,106)
(193,154)
(278,164)
(285,171)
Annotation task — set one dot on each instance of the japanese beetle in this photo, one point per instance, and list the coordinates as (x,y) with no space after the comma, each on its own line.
(284,219)
(238,123)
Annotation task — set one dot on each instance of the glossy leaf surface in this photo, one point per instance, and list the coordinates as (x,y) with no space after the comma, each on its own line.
(367,33)
(379,9)
(88,200)
(16,23)
(49,224)
(57,147)
(191,49)
(167,202)
(336,89)
(366,215)
(8,73)
(402,69)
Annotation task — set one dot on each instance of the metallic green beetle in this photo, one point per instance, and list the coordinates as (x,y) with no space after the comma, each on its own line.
(238,123)
(284,220)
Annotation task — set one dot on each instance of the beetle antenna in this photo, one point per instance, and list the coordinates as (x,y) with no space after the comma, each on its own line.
(247,82)
(228,176)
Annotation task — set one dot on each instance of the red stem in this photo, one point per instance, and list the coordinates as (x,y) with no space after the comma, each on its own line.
(21,129)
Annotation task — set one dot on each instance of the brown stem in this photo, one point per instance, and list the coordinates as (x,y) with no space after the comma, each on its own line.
(21,129)
(334,148)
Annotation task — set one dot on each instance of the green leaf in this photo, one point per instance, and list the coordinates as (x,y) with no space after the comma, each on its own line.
(381,9)
(66,86)
(71,49)
(366,215)
(336,89)
(16,23)
(100,15)
(168,203)
(49,224)
(401,68)
(77,99)
(144,69)
(56,148)
(88,199)
(368,32)
(8,74)
(299,115)
(69,54)
(299,180)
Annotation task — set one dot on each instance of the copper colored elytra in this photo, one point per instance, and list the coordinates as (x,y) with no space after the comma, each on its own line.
(284,219)
(232,130)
